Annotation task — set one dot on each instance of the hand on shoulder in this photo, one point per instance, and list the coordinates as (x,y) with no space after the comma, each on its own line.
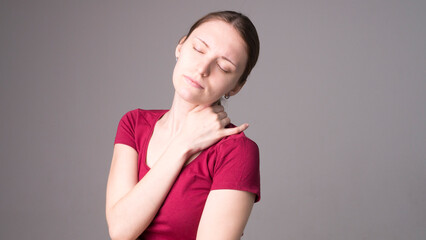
(205,125)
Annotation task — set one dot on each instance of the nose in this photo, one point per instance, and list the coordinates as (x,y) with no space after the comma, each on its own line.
(203,66)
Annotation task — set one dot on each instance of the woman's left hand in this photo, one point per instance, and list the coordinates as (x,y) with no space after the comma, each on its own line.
(204,126)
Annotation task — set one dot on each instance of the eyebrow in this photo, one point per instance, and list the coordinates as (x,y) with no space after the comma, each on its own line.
(227,59)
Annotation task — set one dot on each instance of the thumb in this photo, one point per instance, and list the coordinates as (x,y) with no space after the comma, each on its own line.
(235,130)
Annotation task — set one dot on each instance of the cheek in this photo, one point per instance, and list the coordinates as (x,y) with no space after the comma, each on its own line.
(230,83)
(183,63)
(177,71)
(221,85)
(186,53)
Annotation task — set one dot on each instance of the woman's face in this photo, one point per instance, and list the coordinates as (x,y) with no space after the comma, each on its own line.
(210,62)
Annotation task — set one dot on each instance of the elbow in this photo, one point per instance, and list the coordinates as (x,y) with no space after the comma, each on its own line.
(118,233)
(118,230)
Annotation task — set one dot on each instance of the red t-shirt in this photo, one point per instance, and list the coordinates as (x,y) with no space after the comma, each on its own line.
(231,163)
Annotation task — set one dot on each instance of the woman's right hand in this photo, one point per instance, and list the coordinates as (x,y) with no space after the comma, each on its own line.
(204,126)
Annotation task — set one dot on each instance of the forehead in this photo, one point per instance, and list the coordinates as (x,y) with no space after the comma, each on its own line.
(223,38)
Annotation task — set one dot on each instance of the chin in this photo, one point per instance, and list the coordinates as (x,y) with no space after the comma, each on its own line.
(188,96)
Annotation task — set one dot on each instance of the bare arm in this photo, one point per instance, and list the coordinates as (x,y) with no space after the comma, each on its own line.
(225,215)
(126,196)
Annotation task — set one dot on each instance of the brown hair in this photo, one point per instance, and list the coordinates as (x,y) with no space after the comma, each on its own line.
(247,32)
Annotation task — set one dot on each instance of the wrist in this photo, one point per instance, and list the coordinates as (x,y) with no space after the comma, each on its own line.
(180,147)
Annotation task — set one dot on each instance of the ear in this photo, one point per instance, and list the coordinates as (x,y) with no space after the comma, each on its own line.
(179,46)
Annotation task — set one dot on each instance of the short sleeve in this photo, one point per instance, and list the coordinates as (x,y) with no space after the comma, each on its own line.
(126,130)
(237,166)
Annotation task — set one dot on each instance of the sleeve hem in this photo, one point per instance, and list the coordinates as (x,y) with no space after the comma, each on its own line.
(233,187)
(126,143)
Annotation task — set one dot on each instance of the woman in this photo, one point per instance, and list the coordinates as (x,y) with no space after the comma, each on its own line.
(187,173)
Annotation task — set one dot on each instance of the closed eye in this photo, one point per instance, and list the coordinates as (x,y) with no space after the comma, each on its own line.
(197,49)
(223,70)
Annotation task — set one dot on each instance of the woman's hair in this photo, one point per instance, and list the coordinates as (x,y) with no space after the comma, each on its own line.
(247,32)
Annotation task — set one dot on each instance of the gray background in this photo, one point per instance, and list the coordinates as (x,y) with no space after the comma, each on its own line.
(336,104)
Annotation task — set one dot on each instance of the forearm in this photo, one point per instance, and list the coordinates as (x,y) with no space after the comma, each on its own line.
(132,214)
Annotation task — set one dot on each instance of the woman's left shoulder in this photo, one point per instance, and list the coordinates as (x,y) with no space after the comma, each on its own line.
(238,142)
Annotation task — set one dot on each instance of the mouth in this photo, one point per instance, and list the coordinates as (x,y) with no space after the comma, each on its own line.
(193,82)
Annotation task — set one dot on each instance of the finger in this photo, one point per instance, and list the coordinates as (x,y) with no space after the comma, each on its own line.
(225,121)
(222,115)
(217,108)
(235,130)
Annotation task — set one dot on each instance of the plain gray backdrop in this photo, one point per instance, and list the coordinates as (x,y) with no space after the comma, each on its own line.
(337,105)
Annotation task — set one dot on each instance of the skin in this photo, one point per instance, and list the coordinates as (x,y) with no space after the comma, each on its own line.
(208,67)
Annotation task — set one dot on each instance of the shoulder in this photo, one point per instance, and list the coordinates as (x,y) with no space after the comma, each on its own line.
(133,125)
(237,165)
(237,142)
(137,115)
(237,149)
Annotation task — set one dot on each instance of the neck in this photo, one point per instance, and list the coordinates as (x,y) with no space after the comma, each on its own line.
(173,120)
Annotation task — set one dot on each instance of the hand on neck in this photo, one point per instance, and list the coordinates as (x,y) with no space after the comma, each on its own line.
(173,119)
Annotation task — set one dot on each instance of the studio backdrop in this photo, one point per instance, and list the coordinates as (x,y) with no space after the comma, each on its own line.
(336,103)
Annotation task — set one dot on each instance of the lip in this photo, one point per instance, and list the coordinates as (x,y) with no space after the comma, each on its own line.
(193,82)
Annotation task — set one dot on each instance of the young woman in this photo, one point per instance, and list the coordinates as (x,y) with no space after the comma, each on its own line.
(187,172)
